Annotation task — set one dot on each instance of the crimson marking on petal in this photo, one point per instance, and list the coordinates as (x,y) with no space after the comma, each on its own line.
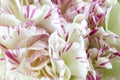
(69,46)
(25,16)
(51,53)
(49,14)
(104,63)
(100,15)
(82,59)
(28,10)
(97,56)
(98,78)
(105,47)
(3,46)
(88,54)
(86,27)
(1,59)
(64,48)
(8,29)
(93,32)
(112,56)
(93,8)
(3,37)
(21,72)
(13,68)
(78,11)
(29,23)
(11,57)
(99,44)
(83,8)
(12,62)
(103,1)
(102,53)
(86,36)
(55,1)
(117,53)
(63,28)
(60,53)
(66,38)
(58,34)
(90,77)
(18,31)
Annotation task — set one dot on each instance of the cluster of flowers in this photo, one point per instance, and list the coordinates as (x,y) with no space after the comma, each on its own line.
(59,39)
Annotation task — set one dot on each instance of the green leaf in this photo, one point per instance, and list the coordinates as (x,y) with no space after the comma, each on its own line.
(112,73)
(113,19)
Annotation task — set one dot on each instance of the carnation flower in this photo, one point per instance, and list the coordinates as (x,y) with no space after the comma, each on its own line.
(59,39)
(67,45)
(14,13)
(103,53)
(24,56)
(93,11)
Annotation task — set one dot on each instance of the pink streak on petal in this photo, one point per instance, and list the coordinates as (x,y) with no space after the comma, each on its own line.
(28,10)
(11,57)
(33,12)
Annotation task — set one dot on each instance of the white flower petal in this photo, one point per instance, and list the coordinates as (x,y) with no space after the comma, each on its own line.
(7,19)
(103,62)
